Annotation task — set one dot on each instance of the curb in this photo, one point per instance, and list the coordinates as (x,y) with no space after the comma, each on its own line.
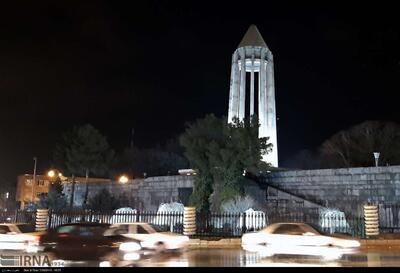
(380,242)
(235,242)
(232,242)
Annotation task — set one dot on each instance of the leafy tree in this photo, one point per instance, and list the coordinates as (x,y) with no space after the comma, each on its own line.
(355,146)
(241,150)
(55,198)
(83,151)
(196,140)
(221,152)
(103,201)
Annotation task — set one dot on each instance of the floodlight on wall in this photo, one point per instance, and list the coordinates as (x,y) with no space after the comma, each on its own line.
(376,156)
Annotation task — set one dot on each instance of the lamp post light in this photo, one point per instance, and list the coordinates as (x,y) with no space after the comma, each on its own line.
(376,156)
(54,175)
(6,195)
(51,173)
(123,179)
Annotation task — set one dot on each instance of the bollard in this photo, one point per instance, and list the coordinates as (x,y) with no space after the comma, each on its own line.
(371,218)
(189,221)
(41,219)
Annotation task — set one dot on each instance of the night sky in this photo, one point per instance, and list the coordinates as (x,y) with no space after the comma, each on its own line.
(153,66)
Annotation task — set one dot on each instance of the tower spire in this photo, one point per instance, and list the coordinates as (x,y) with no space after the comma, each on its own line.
(252,38)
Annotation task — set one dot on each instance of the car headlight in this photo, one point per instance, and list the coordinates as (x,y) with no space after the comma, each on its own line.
(105,264)
(131,246)
(131,257)
(353,243)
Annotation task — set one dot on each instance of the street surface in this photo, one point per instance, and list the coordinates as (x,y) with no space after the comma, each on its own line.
(240,258)
(202,257)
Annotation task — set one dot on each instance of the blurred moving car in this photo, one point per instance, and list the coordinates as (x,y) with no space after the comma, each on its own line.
(151,237)
(91,242)
(19,236)
(298,239)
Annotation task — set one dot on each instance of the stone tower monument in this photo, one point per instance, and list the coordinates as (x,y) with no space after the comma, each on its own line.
(253,60)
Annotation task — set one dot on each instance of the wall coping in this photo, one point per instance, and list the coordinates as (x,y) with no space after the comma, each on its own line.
(339,171)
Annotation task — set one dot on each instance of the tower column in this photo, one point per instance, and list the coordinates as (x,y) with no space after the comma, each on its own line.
(261,95)
(252,86)
(271,111)
(234,89)
(242,100)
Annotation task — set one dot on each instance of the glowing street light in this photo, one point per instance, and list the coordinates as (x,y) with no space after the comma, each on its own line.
(51,173)
(123,179)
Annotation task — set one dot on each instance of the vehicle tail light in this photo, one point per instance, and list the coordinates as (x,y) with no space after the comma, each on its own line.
(32,245)
(37,239)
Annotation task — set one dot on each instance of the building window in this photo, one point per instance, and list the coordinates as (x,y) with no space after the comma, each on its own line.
(28,182)
(42,183)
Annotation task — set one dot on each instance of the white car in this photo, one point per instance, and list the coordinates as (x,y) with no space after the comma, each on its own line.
(151,238)
(297,239)
(19,236)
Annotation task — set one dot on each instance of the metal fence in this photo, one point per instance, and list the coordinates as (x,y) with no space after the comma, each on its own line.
(235,224)
(210,224)
(165,221)
(17,216)
(389,220)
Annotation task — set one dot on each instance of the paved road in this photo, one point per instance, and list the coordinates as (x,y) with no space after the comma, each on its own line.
(240,258)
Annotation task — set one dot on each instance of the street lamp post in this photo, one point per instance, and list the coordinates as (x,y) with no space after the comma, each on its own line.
(34,179)
(71,203)
(376,156)
(86,187)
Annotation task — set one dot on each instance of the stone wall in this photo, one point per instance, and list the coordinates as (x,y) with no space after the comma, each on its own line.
(143,194)
(148,194)
(163,189)
(345,189)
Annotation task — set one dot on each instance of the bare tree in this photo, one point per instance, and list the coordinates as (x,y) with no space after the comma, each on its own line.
(355,146)
(303,160)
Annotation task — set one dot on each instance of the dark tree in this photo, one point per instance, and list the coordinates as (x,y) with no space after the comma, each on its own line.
(55,198)
(103,201)
(83,151)
(355,146)
(158,161)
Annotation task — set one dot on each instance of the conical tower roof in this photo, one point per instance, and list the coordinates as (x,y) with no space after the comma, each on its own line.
(252,38)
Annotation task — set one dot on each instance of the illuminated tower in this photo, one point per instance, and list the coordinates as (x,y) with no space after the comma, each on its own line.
(253,60)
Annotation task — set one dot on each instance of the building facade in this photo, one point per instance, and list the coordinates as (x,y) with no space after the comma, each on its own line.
(27,191)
